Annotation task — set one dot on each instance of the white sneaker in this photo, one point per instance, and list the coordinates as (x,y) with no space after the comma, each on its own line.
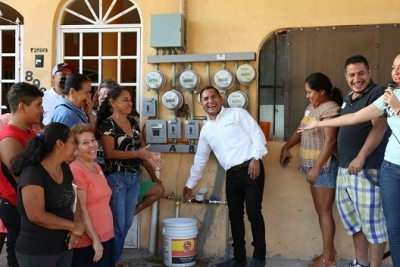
(354,263)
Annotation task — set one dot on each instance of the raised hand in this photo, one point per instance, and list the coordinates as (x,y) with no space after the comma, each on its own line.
(152,157)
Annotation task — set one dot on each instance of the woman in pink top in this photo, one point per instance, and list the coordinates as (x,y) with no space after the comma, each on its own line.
(96,247)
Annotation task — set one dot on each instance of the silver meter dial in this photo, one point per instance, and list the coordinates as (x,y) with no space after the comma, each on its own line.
(238,99)
(246,74)
(189,80)
(224,79)
(172,100)
(155,80)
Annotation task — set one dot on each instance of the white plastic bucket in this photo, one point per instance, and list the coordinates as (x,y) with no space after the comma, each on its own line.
(180,247)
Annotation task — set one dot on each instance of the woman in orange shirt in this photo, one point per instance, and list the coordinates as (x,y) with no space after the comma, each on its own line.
(96,247)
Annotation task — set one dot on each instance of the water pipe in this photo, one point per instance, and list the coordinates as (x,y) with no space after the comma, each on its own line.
(186,200)
(177,202)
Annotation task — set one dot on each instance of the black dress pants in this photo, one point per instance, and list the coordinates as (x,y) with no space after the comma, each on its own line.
(243,191)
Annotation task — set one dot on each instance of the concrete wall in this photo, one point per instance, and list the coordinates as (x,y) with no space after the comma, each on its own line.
(218,27)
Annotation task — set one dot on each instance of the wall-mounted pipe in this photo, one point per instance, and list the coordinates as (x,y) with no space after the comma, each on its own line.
(225,91)
(237,81)
(208,73)
(185,200)
(248,94)
(177,203)
(154,219)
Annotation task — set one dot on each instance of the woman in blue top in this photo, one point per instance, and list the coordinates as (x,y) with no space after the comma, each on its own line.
(387,105)
(124,155)
(76,106)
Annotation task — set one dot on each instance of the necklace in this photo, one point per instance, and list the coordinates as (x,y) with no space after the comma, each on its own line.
(91,167)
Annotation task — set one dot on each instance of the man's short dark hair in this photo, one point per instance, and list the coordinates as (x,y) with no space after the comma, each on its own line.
(207,88)
(356,59)
(22,92)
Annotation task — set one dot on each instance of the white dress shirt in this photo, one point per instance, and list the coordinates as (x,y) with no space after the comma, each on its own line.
(234,137)
(50,100)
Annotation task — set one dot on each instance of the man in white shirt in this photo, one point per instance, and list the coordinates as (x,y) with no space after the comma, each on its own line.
(239,144)
(52,97)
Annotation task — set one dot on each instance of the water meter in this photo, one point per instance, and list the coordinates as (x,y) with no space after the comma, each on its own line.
(172,100)
(224,79)
(155,80)
(238,99)
(189,80)
(246,74)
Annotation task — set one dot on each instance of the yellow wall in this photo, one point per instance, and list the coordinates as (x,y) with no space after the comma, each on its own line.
(217,27)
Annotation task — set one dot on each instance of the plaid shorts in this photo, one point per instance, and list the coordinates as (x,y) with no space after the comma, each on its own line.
(358,199)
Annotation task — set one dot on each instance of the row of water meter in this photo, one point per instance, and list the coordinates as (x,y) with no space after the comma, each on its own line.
(190,80)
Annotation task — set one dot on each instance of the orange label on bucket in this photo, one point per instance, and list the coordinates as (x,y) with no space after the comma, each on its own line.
(183,248)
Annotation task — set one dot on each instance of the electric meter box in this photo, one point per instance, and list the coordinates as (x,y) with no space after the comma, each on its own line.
(174,129)
(192,129)
(149,107)
(167,30)
(156,131)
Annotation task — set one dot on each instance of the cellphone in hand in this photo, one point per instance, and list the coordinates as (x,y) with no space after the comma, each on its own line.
(286,162)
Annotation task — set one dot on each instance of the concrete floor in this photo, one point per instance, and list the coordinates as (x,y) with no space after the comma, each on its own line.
(142,258)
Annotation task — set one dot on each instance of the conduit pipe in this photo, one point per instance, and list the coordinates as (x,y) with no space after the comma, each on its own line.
(157,91)
(174,140)
(208,73)
(154,219)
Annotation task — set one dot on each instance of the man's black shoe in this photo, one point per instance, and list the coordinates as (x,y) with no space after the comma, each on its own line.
(231,263)
(257,263)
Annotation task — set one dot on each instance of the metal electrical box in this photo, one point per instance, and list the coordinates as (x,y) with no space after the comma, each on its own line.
(174,129)
(167,30)
(192,129)
(156,131)
(149,107)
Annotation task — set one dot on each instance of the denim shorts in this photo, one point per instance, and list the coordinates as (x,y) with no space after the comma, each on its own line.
(328,179)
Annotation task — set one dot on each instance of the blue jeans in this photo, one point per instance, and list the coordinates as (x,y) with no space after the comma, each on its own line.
(125,191)
(390,191)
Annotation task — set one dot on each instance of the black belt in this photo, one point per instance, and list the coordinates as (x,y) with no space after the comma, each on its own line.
(240,166)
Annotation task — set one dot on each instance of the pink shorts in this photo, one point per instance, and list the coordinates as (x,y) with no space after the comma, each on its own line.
(3,229)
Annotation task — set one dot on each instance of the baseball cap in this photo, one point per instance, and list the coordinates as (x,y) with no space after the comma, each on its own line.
(60,66)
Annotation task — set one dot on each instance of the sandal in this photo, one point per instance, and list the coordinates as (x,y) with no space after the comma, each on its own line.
(321,262)
(320,257)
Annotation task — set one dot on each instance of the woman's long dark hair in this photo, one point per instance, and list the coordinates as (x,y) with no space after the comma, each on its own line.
(105,109)
(319,81)
(39,147)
